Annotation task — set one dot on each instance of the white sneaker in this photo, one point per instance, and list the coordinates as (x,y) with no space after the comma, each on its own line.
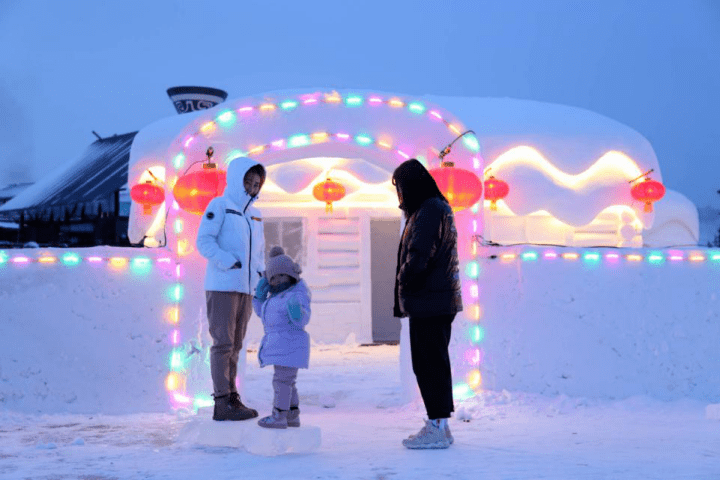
(430,436)
(449,435)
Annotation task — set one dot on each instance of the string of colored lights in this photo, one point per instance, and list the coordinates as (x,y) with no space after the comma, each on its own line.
(228,118)
(469,382)
(139,264)
(608,255)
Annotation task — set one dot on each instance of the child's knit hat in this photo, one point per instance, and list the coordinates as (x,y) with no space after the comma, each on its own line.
(281,263)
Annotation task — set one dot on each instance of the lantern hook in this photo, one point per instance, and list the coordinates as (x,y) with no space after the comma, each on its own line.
(153,176)
(446,150)
(641,176)
(210,152)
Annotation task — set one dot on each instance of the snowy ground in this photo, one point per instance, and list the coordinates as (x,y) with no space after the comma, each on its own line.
(509,436)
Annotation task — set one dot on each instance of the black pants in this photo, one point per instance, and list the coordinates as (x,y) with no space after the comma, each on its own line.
(429,340)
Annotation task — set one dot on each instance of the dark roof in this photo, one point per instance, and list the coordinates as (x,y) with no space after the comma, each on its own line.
(101,170)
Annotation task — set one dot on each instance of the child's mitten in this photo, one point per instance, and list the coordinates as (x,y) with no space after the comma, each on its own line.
(262,289)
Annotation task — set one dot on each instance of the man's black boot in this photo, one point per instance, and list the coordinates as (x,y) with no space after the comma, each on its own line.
(235,400)
(225,409)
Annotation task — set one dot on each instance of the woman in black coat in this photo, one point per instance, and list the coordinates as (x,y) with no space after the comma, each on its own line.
(427,289)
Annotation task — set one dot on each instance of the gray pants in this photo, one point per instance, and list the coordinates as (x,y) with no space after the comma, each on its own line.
(228,315)
(286,395)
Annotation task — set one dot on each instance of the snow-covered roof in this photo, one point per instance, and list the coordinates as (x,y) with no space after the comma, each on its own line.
(101,169)
(13,190)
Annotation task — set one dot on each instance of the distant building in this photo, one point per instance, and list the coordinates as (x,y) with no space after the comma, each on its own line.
(84,203)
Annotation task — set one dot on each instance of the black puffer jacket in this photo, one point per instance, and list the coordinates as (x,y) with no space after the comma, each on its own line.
(427,281)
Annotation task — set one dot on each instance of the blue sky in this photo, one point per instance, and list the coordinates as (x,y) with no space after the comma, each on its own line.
(72,67)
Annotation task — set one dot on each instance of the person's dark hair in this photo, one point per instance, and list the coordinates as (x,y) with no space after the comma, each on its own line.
(259,170)
(415,185)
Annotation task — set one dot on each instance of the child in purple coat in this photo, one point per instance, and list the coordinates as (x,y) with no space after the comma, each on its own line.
(282,301)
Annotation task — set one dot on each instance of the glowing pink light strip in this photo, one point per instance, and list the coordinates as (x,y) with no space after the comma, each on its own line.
(176,337)
(278,143)
(676,257)
(180,398)
(164,260)
(310,101)
(436,115)
(550,255)
(343,136)
(612,256)
(188,142)
(245,109)
(375,100)
(472,356)
(94,259)
(21,259)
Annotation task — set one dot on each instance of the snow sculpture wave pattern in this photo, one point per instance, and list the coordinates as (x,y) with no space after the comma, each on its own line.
(576,199)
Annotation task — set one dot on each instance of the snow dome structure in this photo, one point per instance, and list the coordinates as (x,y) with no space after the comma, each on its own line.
(569,173)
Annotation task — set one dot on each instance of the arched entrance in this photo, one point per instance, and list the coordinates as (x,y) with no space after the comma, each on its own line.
(360,139)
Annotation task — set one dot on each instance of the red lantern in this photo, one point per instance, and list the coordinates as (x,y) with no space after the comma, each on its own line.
(328,192)
(648,191)
(148,195)
(462,188)
(495,189)
(194,191)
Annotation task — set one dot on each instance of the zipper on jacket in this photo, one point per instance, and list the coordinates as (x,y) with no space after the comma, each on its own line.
(250,249)
(249,256)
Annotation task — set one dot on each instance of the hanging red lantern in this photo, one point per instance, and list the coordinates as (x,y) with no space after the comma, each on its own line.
(648,191)
(495,189)
(148,195)
(194,191)
(328,192)
(462,188)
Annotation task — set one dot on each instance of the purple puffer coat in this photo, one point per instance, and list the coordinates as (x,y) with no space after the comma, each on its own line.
(285,343)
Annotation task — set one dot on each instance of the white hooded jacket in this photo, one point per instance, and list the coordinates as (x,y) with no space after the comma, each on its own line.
(231,230)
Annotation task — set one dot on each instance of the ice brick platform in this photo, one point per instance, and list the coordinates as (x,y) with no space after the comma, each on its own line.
(250,437)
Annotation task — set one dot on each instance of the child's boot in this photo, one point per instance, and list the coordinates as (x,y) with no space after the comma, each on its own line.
(293,417)
(278,419)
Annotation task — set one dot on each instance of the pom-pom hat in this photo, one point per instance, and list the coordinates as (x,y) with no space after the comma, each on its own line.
(280,263)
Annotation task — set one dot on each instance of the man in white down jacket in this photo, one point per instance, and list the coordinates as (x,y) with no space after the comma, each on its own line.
(232,240)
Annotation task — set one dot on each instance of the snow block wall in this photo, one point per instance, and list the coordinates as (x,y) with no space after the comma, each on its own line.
(600,328)
(74,321)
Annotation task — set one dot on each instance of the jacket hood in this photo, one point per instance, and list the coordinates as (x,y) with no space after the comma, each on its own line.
(235,190)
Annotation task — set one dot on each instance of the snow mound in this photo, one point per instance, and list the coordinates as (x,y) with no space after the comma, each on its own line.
(250,437)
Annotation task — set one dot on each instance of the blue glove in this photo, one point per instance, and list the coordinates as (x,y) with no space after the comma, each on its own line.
(294,309)
(262,289)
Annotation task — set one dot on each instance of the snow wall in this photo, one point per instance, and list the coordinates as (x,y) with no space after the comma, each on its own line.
(69,325)
(581,327)
(605,323)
